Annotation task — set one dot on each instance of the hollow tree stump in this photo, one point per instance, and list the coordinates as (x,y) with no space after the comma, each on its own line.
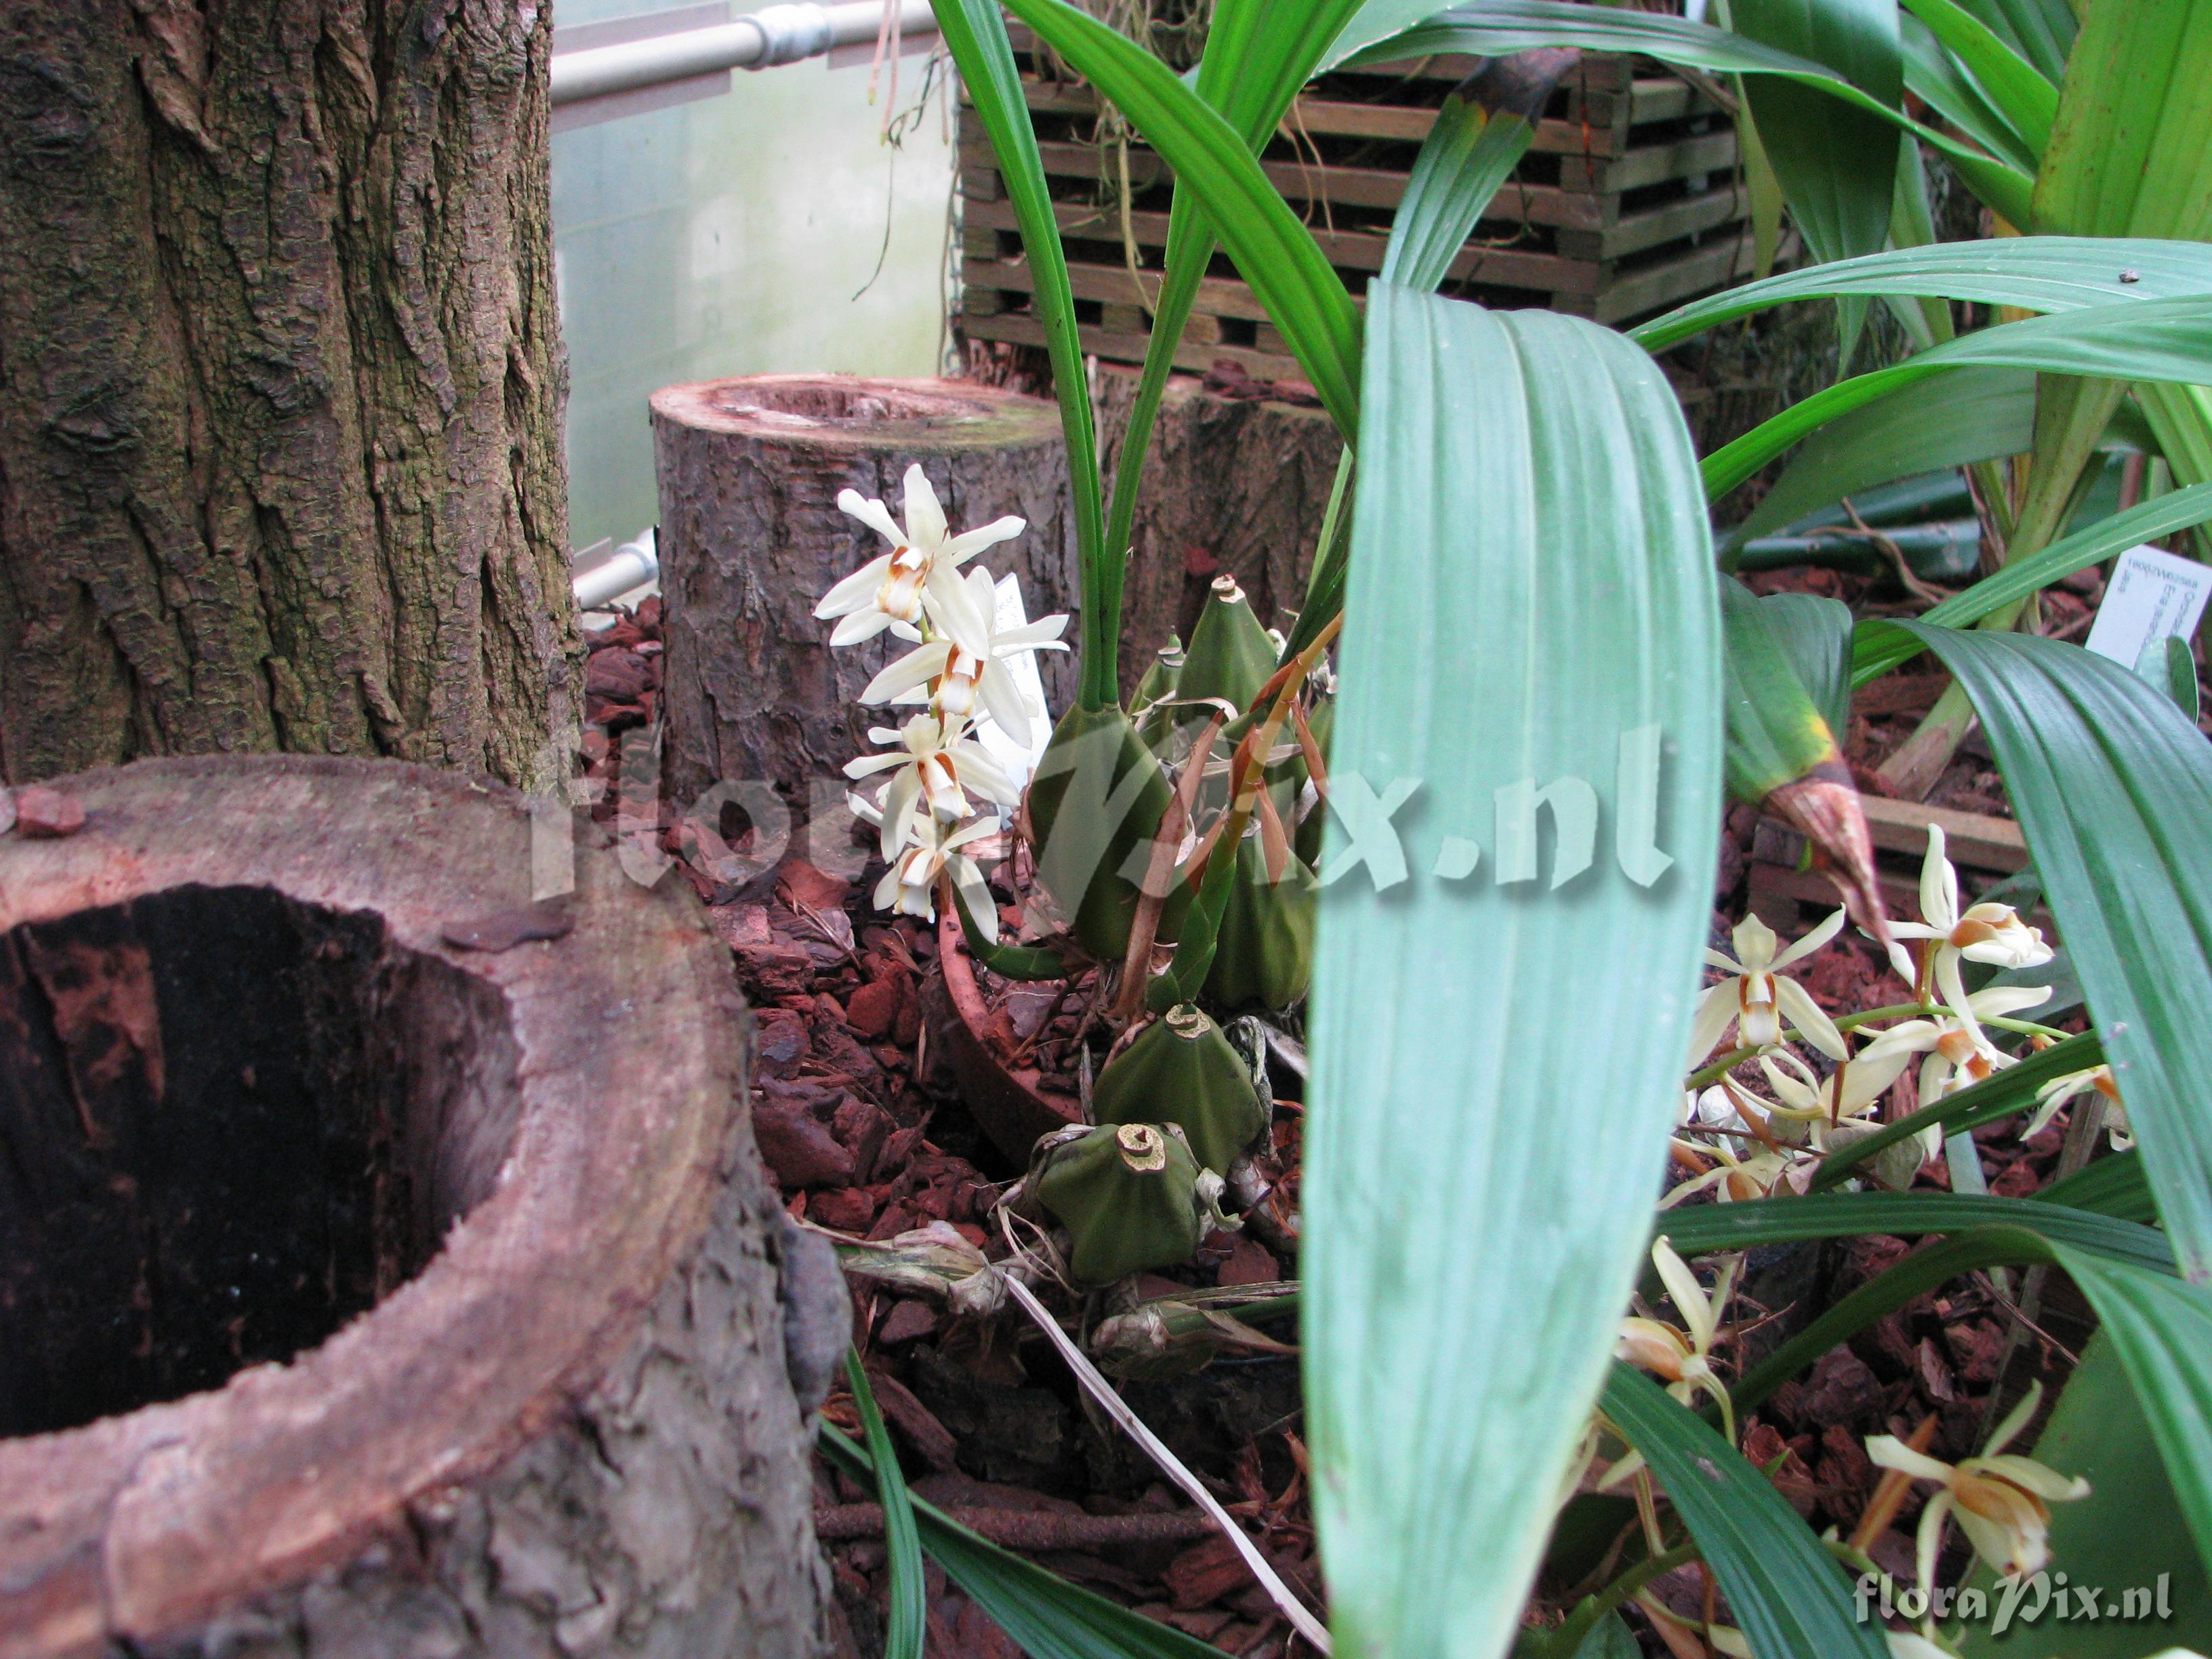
(1232,485)
(750,539)
(362,1295)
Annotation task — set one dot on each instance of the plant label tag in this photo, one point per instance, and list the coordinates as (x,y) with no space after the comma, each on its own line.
(1019,759)
(2152,596)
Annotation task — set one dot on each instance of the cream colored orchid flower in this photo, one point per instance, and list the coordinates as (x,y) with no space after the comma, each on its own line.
(2056,1093)
(2002,1499)
(1849,1091)
(910,886)
(965,669)
(1758,997)
(887,591)
(1959,1051)
(1761,1169)
(1683,1361)
(935,768)
(1990,933)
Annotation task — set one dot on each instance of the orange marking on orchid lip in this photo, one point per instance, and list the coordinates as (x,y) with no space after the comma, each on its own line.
(1972,931)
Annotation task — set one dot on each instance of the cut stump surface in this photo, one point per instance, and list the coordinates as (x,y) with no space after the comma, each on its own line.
(361,1294)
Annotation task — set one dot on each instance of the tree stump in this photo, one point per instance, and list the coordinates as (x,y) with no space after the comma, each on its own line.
(750,539)
(386,1266)
(1232,485)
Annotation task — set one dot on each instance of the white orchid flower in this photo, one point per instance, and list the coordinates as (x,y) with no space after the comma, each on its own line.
(935,767)
(1757,997)
(910,886)
(2056,1093)
(1683,1360)
(887,591)
(1959,1052)
(1990,933)
(2002,1499)
(969,663)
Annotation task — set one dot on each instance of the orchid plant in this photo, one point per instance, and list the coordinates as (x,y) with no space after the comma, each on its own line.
(1519,585)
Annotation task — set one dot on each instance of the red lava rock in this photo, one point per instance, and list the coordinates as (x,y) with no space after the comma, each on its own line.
(908,1321)
(958,1626)
(782,1038)
(1249,1263)
(974,1234)
(798,1149)
(842,1209)
(617,676)
(1844,1469)
(873,1011)
(44,814)
(898,1217)
(1762,1444)
(800,883)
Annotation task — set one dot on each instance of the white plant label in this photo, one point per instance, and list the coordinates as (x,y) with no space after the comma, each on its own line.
(2152,595)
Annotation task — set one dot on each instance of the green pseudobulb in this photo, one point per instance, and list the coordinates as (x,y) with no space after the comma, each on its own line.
(1129,1196)
(1094,808)
(1181,1070)
(1230,656)
(1263,954)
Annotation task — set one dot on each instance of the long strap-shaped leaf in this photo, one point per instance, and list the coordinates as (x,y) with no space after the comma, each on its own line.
(1531,601)
(908,1610)
(2004,1094)
(1705,1228)
(1050,1618)
(975,34)
(2034,273)
(1278,255)
(2158,340)
(1788,1596)
(1878,649)
(1257,56)
(1492,27)
(2027,101)
(2113,789)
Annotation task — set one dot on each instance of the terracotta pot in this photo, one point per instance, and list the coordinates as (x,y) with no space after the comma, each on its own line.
(1006,1100)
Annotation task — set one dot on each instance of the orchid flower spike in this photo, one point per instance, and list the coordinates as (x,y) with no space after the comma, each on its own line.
(2056,1093)
(887,591)
(1959,1051)
(968,663)
(1757,997)
(2002,1499)
(935,768)
(1849,1091)
(1992,933)
(1683,1360)
(910,886)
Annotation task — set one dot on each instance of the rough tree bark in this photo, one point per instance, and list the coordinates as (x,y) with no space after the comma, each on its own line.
(280,383)
(752,536)
(386,1266)
(1231,484)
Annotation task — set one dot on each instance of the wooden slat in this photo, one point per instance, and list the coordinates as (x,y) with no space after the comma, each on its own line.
(1627,295)
(1640,232)
(1351,251)
(1652,164)
(1021,328)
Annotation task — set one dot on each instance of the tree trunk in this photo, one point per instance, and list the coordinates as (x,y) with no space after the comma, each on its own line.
(386,1266)
(1231,485)
(280,385)
(752,538)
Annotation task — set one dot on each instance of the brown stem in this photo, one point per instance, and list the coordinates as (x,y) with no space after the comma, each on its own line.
(1151,898)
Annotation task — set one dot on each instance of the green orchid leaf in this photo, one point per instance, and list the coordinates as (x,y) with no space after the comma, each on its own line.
(2032,273)
(1288,273)
(1387,31)
(2021,94)
(2041,31)
(1492,441)
(2111,1186)
(1837,166)
(2127,1535)
(1878,648)
(1932,75)
(2161,1328)
(908,1612)
(975,34)
(1815,635)
(2157,340)
(1470,152)
(1048,1617)
(2007,1093)
(1703,1229)
(1251,69)
(2113,789)
(1787,1594)
(2169,665)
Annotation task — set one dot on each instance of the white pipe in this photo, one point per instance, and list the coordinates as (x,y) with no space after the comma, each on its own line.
(778,34)
(633,565)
